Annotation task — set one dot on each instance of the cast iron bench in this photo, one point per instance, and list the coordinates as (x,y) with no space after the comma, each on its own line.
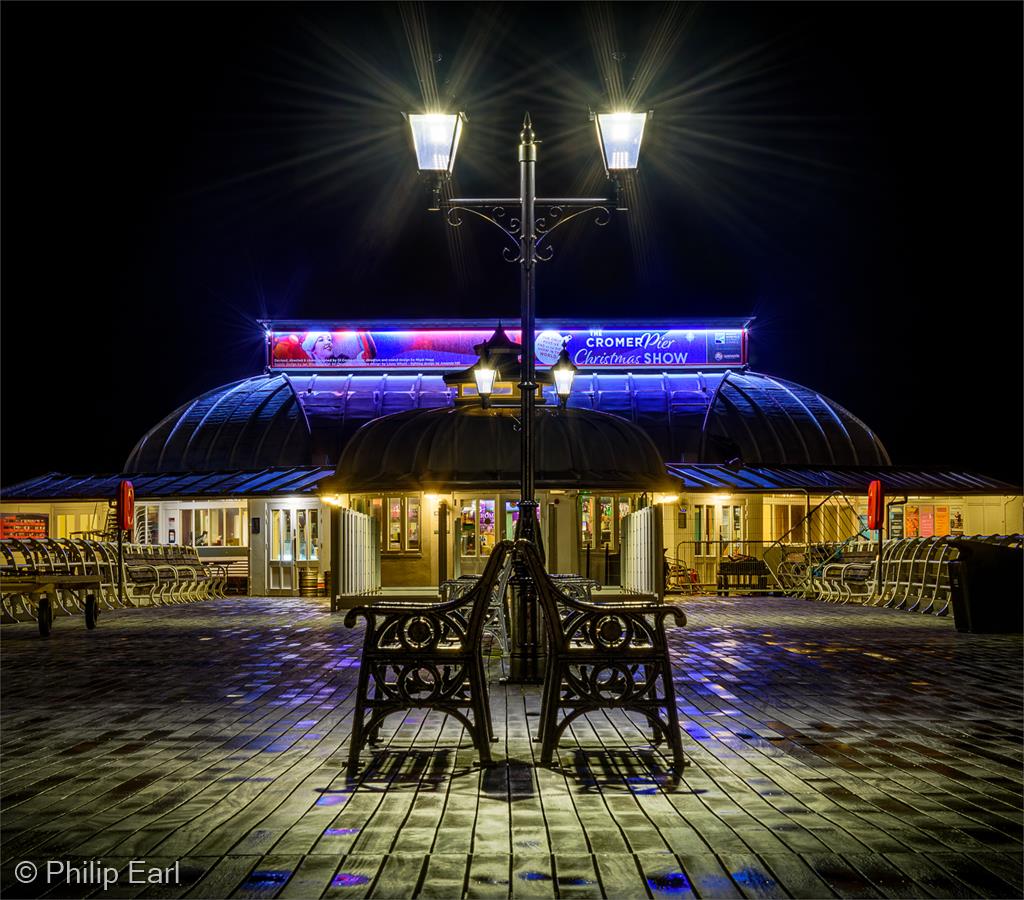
(604,656)
(426,655)
(742,573)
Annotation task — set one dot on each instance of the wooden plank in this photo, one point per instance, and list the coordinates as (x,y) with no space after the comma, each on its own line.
(890,880)
(840,876)
(662,875)
(311,877)
(268,877)
(933,878)
(489,875)
(223,878)
(400,876)
(576,876)
(356,875)
(752,876)
(619,875)
(967,870)
(446,876)
(706,874)
(796,877)
(532,875)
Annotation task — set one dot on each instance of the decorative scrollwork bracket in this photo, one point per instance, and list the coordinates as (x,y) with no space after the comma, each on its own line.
(554,216)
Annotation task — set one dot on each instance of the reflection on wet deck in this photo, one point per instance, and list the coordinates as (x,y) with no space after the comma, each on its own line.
(834,751)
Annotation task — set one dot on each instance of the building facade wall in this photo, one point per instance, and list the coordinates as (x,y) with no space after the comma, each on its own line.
(761,519)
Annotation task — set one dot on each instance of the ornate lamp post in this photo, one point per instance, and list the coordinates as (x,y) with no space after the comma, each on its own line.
(436,141)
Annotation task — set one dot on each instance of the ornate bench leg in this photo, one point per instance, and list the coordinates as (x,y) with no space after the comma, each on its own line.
(675,736)
(549,717)
(481,728)
(356,741)
(373,733)
(549,697)
(478,686)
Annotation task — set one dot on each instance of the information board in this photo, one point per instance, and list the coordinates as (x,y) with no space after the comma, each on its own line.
(448,348)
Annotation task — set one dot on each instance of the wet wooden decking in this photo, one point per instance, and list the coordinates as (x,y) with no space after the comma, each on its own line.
(834,751)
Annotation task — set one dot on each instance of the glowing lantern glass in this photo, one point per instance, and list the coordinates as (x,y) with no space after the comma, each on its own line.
(620,135)
(436,139)
(564,372)
(484,374)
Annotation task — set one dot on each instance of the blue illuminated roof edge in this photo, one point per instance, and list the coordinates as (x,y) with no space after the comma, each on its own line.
(696,477)
(735,322)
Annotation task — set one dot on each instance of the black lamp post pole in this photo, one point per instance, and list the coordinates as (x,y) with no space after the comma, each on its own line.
(527,302)
(526,657)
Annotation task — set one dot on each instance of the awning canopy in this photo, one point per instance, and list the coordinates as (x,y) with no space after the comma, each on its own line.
(470,447)
(696,478)
(263,482)
(853,480)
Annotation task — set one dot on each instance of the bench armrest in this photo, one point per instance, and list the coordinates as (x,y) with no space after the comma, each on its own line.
(391,607)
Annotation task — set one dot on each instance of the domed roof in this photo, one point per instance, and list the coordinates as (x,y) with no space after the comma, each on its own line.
(251,424)
(446,449)
(283,420)
(767,421)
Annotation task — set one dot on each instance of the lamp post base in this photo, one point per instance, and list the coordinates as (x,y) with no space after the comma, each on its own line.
(528,658)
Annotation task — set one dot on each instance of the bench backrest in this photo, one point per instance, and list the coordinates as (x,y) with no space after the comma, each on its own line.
(480,594)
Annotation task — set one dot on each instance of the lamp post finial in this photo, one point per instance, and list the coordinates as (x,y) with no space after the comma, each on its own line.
(527,136)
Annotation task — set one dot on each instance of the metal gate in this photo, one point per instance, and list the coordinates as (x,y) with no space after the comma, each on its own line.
(643,551)
(356,553)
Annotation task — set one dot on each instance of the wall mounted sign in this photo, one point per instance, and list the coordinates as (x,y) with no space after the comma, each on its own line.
(926,522)
(956,520)
(388,347)
(22,525)
(912,521)
(125,506)
(896,522)
(876,505)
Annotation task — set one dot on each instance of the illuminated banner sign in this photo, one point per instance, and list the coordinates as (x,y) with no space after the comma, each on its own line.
(452,348)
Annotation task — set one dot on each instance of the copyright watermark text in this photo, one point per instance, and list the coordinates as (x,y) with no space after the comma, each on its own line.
(93,872)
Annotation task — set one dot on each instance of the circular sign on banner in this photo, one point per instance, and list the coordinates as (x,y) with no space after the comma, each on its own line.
(126,506)
(547,347)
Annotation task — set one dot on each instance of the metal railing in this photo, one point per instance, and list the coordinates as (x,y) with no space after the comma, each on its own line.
(693,566)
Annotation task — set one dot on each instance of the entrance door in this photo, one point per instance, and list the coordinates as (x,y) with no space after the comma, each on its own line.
(293,546)
(478,523)
(475,532)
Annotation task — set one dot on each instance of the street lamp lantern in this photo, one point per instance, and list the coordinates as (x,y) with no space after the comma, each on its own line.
(564,372)
(435,137)
(483,373)
(620,135)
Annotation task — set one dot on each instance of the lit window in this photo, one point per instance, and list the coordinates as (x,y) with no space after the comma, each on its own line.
(586,521)
(398,521)
(467,528)
(213,526)
(606,521)
(412,523)
(487,527)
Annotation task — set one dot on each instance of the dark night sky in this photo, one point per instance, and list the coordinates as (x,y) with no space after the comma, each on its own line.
(850,174)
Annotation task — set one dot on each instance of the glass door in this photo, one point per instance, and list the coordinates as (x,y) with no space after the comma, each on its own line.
(476,532)
(293,546)
(511,517)
(280,551)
